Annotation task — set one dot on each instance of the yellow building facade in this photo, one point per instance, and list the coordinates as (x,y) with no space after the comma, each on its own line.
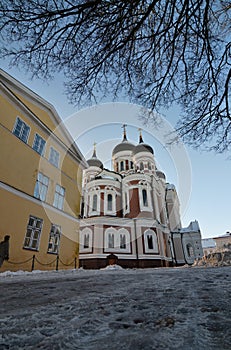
(40,182)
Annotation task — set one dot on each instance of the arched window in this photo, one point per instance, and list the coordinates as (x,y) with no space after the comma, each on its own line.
(190,251)
(150,241)
(145,197)
(131,164)
(109,202)
(86,241)
(122,241)
(149,166)
(141,166)
(94,203)
(121,166)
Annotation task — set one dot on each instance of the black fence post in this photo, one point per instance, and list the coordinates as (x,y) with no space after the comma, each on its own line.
(57,263)
(32,266)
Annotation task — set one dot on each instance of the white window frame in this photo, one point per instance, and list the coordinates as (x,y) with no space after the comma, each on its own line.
(94,191)
(117,234)
(41,187)
(21,131)
(145,186)
(153,234)
(109,191)
(54,239)
(32,240)
(54,157)
(59,197)
(86,232)
(39,144)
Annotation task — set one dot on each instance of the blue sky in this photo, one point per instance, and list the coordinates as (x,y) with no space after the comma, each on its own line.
(201,178)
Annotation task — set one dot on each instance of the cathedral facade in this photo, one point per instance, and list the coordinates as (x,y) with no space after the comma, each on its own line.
(131,215)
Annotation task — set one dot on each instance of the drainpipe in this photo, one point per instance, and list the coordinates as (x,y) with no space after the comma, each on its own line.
(136,243)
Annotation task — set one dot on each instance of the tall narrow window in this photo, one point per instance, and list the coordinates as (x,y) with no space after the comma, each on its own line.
(190,250)
(39,144)
(111,240)
(94,202)
(149,166)
(41,187)
(126,201)
(109,202)
(150,241)
(122,241)
(33,233)
(121,166)
(59,197)
(145,198)
(54,240)
(86,241)
(141,166)
(21,130)
(54,157)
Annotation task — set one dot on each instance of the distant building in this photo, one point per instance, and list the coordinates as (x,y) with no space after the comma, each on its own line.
(223,241)
(208,245)
(40,181)
(130,215)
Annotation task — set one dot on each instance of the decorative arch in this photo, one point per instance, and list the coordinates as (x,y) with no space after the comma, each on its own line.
(109,201)
(151,242)
(94,201)
(190,251)
(145,196)
(86,239)
(117,240)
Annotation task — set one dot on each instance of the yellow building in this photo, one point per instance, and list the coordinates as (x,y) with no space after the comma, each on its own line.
(40,182)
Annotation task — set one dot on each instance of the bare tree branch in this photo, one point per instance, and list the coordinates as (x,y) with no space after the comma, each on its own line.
(157,52)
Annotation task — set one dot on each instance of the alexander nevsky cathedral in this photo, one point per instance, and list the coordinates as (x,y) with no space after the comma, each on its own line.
(131,215)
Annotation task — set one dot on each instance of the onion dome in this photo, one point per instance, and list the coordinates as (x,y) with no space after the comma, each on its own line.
(142,147)
(94,161)
(125,145)
(160,174)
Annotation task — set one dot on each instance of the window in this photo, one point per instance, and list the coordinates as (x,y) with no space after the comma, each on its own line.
(141,166)
(94,202)
(121,166)
(109,202)
(54,157)
(111,240)
(145,198)
(54,240)
(86,241)
(21,130)
(150,241)
(33,233)
(39,144)
(117,240)
(131,164)
(41,187)
(59,197)
(122,241)
(190,251)
(149,166)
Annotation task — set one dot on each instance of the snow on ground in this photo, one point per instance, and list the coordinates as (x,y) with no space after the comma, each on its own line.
(168,308)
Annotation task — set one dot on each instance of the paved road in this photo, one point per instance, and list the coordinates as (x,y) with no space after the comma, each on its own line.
(181,308)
